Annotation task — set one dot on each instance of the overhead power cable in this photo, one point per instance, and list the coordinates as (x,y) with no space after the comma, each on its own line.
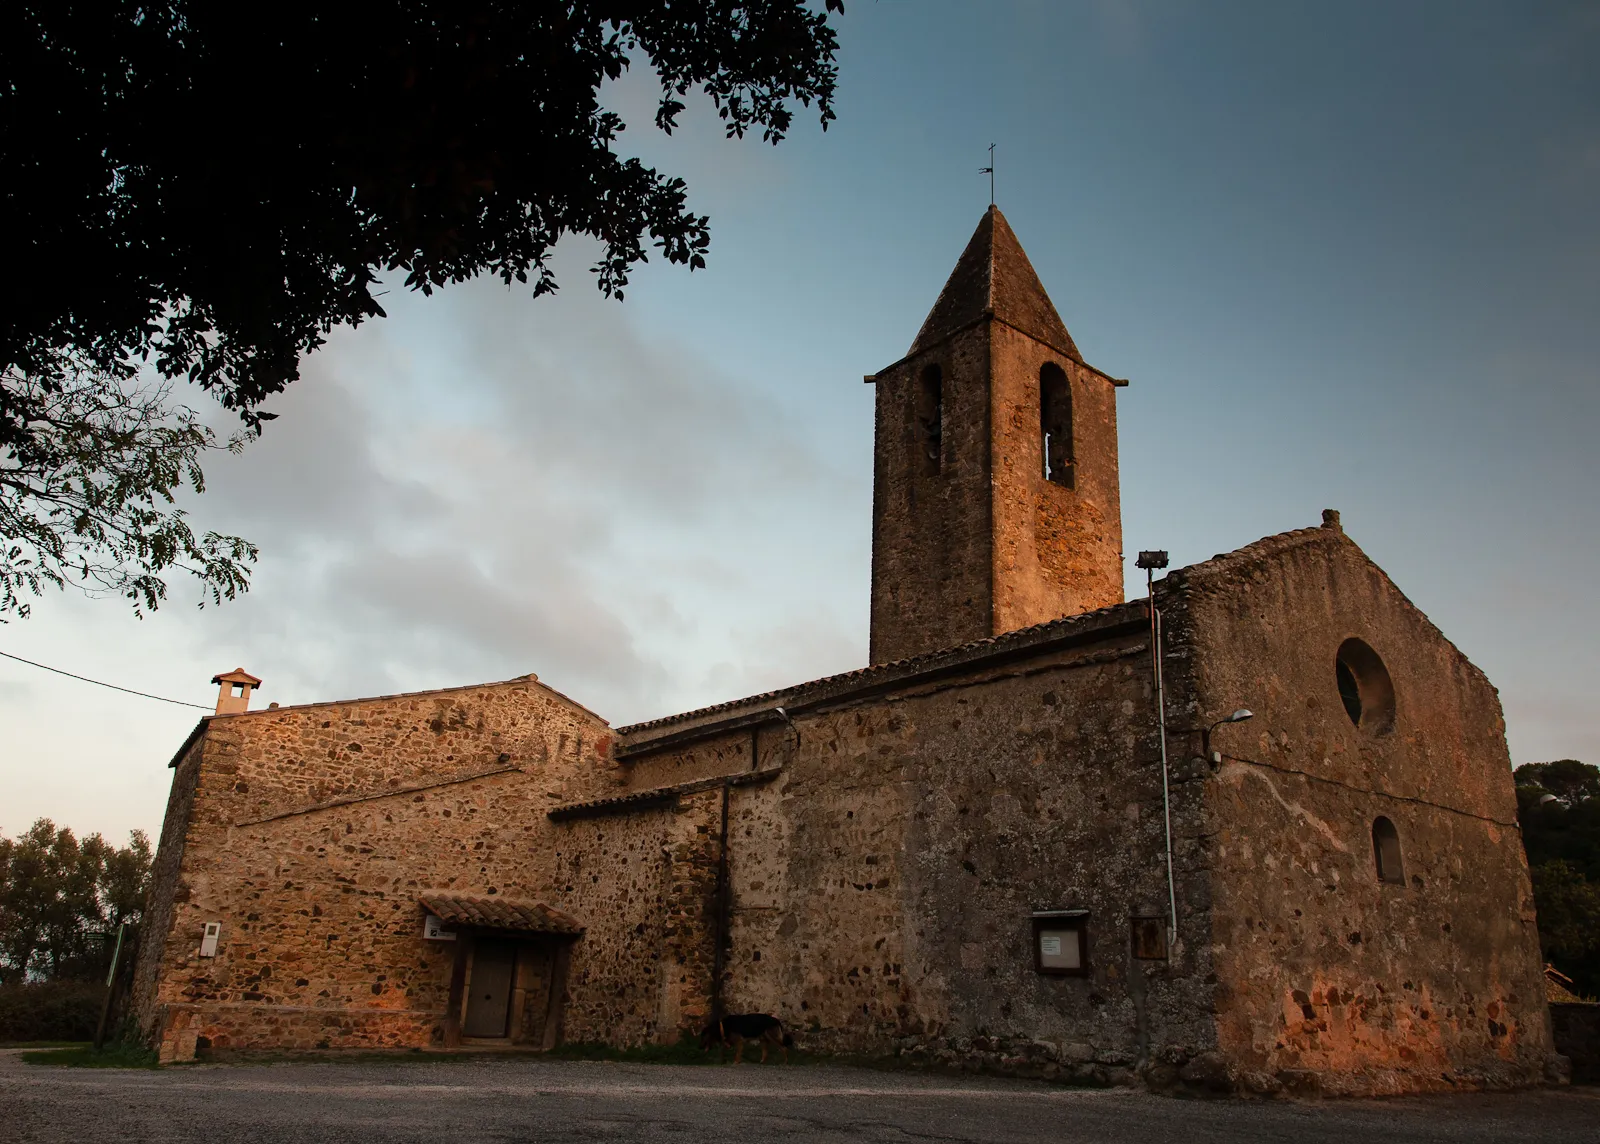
(98,683)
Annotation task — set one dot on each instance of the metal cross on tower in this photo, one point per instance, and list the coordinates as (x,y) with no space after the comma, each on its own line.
(989,170)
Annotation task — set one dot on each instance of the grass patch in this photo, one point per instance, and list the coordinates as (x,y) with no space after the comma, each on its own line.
(41,1044)
(84,1057)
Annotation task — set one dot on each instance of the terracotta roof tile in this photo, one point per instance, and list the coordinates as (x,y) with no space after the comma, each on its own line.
(500,914)
(1038,633)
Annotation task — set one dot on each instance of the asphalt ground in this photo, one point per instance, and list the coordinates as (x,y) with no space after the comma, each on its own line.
(528,1099)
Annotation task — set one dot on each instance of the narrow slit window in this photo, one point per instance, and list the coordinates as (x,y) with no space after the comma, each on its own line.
(1055,425)
(1386,851)
(930,420)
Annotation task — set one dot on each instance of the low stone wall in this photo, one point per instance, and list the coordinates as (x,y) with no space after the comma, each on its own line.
(1577,1031)
(186,1029)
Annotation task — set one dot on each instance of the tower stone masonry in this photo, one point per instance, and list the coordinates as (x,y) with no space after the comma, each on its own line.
(995,488)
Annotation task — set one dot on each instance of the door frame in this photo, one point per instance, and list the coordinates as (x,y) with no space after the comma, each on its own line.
(560,947)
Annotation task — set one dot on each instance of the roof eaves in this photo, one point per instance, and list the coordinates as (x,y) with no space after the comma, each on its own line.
(1211,575)
(199,729)
(532,680)
(658,796)
(691,725)
(989,316)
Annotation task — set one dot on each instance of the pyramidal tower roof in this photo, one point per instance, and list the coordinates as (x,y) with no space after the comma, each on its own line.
(993,278)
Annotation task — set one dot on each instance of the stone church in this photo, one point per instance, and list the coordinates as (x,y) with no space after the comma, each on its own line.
(1040,833)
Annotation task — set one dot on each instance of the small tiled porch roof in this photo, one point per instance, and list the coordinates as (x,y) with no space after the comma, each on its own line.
(499,914)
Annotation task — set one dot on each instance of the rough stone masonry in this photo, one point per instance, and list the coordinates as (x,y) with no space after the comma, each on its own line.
(999,846)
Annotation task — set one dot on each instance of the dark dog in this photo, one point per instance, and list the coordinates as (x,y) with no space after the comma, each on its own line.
(737,1029)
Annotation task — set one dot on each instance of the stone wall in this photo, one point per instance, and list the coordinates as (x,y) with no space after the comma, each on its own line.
(932,537)
(1328,976)
(883,883)
(887,848)
(1057,551)
(166,883)
(309,833)
(643,883)
(986,544)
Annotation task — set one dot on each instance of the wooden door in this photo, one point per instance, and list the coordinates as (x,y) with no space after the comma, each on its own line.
(494,966)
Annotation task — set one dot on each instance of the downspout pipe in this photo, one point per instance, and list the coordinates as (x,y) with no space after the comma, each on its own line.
(1166,771)
(719,954)
(1150,561)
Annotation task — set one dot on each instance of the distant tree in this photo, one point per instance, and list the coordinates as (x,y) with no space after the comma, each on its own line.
(1569,912)
(1566,779)
(1558,806)
(213,192)
(60,897)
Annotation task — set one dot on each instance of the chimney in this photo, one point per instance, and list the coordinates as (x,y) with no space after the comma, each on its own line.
(233,696)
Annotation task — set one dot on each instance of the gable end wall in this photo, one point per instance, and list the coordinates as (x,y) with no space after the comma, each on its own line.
(1326,973)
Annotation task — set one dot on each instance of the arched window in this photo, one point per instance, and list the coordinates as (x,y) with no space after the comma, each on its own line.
(1365,688)
(1386,852)
(1055,425)
(930,420)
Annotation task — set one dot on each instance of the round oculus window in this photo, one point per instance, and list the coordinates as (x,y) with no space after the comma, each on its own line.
(1365,689)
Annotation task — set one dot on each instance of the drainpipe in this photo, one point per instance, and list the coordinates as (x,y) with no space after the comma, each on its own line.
(719,954)
(1150,561)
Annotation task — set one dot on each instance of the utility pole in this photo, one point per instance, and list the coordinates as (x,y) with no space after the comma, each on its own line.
(111,988)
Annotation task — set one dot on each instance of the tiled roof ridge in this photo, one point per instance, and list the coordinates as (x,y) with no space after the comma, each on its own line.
(1330,531)
(655,795)
(954,652)
(530,678)
(499,913)
(1257,551)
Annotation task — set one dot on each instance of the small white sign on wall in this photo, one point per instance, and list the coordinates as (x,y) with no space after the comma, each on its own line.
(208,943)
(433,930)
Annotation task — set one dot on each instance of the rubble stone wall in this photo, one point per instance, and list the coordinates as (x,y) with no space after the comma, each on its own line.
(884,882)
(644,884)
(1057,550)
(310,833)
(156,926)
(1327,976)
(931,532)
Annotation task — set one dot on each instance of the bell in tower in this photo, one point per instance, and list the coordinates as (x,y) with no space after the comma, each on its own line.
(995,501)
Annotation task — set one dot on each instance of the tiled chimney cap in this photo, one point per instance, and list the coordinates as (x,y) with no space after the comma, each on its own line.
(237,675)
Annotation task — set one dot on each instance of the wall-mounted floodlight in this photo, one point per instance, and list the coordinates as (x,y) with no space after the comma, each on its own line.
(784,715)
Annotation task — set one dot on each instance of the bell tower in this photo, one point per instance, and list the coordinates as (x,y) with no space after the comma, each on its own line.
(995,501)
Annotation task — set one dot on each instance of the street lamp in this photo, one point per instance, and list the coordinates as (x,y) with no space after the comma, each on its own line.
(1238,716)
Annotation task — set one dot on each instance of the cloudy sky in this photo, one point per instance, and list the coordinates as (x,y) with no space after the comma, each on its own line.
(1348,254)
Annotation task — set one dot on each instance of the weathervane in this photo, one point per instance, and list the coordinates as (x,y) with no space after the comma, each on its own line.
(989,170)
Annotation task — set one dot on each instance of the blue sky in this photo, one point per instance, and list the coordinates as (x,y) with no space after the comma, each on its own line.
(1348,255)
